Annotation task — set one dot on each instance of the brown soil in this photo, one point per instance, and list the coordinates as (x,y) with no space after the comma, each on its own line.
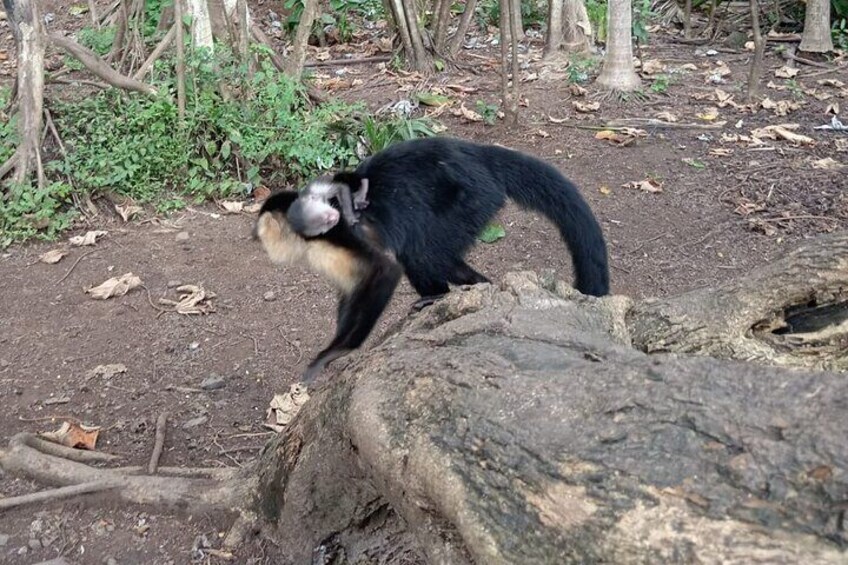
(52,334)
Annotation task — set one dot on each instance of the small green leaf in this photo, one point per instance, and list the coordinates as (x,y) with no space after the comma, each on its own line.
(439,64)
(430,99)
(492,233)
(225,150)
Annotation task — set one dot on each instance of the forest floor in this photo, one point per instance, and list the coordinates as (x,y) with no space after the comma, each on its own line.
(728,203)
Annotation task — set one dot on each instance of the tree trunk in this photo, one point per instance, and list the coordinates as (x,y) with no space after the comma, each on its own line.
(28,31)
(464,23)
(517,425)
(404,15)
(618,73)
(577,29)
(201,26)
(294,63)
(518,21)
(553,42)
(756,70)
(816,38)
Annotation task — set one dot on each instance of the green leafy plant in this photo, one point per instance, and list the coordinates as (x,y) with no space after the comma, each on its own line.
(839,33)
(489,112)
(661,83)
(28,211)
(491,233)
(578,68)
(377,135)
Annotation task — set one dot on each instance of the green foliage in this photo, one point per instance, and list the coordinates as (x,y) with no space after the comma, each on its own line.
(27,211)
(98,40)
(491,233)
(839,33)
(8,128)
(533,13)
(661,84)
(597,12)
(489,112)
(579,67)
(641,17)
(377,135)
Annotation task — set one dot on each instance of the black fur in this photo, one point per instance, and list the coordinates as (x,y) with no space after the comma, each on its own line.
(429,199)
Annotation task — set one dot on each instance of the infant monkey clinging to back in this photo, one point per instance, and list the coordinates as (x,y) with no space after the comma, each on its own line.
(312,214)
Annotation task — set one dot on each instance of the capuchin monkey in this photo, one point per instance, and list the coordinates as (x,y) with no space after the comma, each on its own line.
(312,214)
(429,200)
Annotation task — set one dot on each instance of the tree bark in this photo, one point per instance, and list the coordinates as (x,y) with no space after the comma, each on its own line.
(756,70)
(464,23)
(294,63)
(577,29)
(404,15)
(553,42)
(816,37)
(618,73)
(201,26)
(793,312)
(517,425)
(28,31)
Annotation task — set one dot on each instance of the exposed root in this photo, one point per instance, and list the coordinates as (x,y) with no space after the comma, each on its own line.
(55,494)
(188,490)
(161,422)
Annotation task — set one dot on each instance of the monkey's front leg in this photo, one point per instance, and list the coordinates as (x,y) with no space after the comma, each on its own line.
(358,313)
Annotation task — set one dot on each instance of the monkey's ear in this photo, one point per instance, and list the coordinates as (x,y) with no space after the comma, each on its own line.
(279,202)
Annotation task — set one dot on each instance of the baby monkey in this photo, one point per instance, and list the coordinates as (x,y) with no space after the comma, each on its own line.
(312,214)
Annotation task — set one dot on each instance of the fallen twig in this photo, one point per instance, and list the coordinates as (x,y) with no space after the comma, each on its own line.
(157,52)
(356,61)
(161,422)
(71,270)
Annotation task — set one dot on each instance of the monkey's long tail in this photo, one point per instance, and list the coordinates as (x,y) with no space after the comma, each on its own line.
(536,185)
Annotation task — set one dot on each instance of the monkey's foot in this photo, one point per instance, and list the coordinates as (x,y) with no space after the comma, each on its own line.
(425,301)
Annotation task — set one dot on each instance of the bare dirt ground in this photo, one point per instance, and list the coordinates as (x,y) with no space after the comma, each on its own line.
(719,215)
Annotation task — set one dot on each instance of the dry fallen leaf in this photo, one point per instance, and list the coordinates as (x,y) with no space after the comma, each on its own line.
(667,116)
(127,211)
(652,67)
(708,115)
(284,407)
(469,115)
(116,286)
(261,193)
(689,67)
(90,238)
(75,436)
(647,185)
(781,107)
(831,82)
(828,164)
(786,72)
(577,90)
(623,136)
(53,256)
(761,226)
(585,107)
(107,371)
(231,206)
(194,299)
(832,108)
(720,152)
(782,131)
(605,190)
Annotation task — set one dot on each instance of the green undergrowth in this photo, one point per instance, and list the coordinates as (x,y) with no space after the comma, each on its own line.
(262,130)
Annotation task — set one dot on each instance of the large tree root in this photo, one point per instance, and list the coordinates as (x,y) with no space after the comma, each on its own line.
(193,491)
(793,312)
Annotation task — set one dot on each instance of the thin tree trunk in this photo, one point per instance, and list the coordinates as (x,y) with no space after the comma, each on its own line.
(28,31)
(816,38)
(181,68)
(440,30)
(687,19)
(759,50)
(577,29)
(294,64)
(201,26)
(464,24)
(554,39)
(518,22)
(618,73)
(509,42)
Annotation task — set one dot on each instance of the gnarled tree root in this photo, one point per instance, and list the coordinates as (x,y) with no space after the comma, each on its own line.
(193,491)
(793,312)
